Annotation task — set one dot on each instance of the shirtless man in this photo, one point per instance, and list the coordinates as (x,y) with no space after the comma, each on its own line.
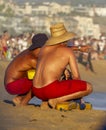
(53,58)
(5,37)
(16,81)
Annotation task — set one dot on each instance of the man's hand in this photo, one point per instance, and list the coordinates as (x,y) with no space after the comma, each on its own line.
(85,48)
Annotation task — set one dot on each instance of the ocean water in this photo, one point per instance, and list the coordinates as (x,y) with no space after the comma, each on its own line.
(97,99)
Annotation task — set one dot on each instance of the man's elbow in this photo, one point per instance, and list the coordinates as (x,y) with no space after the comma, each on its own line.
(76,77)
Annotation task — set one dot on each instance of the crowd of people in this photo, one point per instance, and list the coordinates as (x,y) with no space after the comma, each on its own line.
(10,46)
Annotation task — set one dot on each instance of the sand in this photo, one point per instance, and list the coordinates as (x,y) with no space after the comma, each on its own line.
(34,118)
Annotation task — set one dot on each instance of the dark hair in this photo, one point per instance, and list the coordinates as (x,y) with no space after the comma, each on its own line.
(63,75)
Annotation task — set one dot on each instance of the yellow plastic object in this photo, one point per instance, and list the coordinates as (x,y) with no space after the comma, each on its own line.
(30,73)
(65,106)
(88,106)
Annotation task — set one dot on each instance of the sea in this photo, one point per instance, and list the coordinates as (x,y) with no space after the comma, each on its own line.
(97,99)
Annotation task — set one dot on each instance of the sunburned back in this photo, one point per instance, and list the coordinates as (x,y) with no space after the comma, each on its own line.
(18,67)
(51,63)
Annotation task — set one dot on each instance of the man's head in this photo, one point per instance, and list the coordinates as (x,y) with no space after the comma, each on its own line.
(6,35)
(59,34)
(38,41)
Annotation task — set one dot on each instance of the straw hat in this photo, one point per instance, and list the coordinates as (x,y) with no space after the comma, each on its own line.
(59,34)
(38,41)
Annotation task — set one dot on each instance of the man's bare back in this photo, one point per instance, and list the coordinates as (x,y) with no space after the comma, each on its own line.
(17,69)
(20,65)
(52,70)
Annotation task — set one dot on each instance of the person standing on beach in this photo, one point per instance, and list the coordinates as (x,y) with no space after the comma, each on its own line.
(5,37)
(53,58)
(16,80)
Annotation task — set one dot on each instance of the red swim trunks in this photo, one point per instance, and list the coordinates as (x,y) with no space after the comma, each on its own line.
(59,88)
(20,86)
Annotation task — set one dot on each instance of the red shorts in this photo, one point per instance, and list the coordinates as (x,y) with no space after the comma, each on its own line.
(59,88)
(20,86)
(4,48)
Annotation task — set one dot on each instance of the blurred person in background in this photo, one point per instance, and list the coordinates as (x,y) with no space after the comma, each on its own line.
(4,40)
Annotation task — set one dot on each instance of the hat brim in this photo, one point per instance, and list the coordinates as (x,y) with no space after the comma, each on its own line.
(56,40)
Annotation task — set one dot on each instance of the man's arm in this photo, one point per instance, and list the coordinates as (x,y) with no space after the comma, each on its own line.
(73,65)
(82,48)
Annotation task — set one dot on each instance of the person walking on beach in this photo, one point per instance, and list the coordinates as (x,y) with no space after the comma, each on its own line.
(53,58)
(16,80)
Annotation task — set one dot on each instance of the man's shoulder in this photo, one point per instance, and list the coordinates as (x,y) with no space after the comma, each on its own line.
(66,49)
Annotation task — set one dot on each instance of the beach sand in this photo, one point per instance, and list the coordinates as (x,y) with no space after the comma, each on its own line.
(34,118)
